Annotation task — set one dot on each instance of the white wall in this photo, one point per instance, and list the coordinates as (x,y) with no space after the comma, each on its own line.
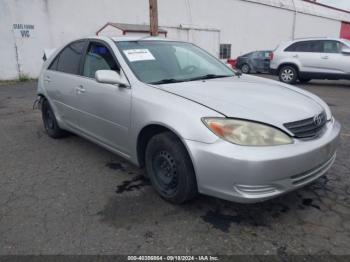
(55,23)
(314,26)
(8,65)
(246,24)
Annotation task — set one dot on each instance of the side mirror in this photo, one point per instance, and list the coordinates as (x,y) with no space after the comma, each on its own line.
(110,77)
(346,51)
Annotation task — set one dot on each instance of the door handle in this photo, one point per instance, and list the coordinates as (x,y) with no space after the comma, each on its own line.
(325,57)
(295,56)
(47,79)
(80,89)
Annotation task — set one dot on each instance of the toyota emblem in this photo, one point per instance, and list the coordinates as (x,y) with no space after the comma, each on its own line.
(318,120)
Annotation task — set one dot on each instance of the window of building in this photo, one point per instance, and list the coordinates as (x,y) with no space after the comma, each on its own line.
(225,51)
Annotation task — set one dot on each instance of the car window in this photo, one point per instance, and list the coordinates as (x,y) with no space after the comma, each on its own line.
(156,61)
(98,57)
(332,46)
(248,54)
(68,61)
(305,46)
(316,47)
(347,42)
(187,59)
(298,47)
(262,55)
(256,55)
(54,63)
(267,54)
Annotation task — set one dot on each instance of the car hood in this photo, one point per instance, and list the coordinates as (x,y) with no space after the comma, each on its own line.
(252,98)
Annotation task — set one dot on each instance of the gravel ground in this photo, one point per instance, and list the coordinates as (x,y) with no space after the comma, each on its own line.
(70,196)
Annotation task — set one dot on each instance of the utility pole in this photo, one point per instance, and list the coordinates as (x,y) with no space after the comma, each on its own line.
(153,13)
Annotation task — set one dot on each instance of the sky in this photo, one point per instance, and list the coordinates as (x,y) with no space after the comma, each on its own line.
(342,4)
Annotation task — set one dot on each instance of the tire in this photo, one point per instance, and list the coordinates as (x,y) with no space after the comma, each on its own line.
(245,68)
(170,168)
(304,80)
(50,122)
(288,74)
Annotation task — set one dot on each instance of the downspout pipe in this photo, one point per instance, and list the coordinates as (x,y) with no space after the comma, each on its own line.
(294,19)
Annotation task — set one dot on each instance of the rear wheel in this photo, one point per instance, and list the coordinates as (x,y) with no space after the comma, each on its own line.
(288,74)
(170,169)
(50,122)
(245,69)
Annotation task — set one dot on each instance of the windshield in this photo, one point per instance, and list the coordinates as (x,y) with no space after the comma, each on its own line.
(161,62)
(347,42)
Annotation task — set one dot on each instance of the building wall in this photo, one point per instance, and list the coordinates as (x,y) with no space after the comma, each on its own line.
(246,24)
(314,26)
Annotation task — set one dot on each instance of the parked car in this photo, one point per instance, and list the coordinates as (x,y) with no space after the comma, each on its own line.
(312,58)
(254,62)
(193,123)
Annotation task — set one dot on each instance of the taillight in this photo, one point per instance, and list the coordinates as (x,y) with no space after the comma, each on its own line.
(271,56)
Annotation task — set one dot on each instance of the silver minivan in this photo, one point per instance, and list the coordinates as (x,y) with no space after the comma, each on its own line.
(196,125)
(312,58)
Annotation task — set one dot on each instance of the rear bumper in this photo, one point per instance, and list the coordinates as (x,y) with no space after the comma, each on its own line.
(253,174)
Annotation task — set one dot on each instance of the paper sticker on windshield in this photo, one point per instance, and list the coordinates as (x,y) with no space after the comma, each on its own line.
(134,55)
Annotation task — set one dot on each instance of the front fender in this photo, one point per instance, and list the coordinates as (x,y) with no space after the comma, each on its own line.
(154,106)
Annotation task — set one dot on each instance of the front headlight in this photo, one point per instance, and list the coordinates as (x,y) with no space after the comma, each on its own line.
(246,133)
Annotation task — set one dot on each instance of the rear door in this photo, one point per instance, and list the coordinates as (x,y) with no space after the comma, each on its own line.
(61,80)
(104,108)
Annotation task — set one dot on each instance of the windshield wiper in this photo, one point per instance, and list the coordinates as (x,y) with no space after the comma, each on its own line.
(208,76)
(172,80)
(166,81)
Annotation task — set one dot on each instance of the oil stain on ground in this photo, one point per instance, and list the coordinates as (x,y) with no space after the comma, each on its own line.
(116,166)
(135,183)
(221,221)
(309,202)
(256,215)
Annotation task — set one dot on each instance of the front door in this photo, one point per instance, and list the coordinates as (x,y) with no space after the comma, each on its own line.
(333,60)
(105,108)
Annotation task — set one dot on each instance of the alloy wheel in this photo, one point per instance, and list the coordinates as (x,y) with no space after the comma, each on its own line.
(287,75)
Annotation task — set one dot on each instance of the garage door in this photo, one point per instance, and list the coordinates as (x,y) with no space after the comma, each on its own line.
(345,30)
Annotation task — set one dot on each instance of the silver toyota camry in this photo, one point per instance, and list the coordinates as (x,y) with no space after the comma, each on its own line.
(194,124)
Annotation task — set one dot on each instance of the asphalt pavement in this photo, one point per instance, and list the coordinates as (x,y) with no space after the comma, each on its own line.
(70,196)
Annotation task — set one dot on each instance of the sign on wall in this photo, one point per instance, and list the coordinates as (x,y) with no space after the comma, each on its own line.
(23,30)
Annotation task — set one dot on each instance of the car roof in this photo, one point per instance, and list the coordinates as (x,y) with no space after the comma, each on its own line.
(296,40)
(131,38)
(315,38)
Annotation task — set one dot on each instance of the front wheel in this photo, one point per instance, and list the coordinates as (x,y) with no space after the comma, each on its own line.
(245,69)
(170,169)
(288,74)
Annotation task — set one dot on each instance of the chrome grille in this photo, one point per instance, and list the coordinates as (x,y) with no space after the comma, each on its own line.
(309,127)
